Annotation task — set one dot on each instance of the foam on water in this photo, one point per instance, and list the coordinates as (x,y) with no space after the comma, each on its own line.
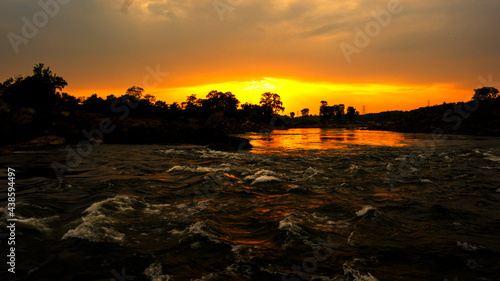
(98,224)
(156,208)
(365,210)
(155,273)
(208,153)
(425,181)
(492,157)
(312,170)
(93,229)
(352,169)
(38,223)
(200,169)
(289,223)
(354,274)
(201,228)
(262,179)
(262,176)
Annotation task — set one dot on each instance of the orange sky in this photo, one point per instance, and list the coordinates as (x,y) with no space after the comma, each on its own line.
(399,55)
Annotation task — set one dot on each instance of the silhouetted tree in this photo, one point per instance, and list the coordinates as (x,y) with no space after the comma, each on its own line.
(175,107)
(150,98)
(292,114)
(220,102)
(36,90)
(68,101)
(111,98)
(305,111)
(95,104)
(161,105)
(338,111)
(272,102)
(135,91)
(325,112)
(351,113)
(192,104)
(485,93)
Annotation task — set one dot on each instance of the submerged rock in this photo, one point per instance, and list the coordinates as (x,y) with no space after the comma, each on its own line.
(231,143)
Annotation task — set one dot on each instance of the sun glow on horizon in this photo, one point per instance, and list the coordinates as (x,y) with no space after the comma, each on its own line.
(297,95)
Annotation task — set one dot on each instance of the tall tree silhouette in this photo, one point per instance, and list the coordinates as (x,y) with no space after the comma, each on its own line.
(272,102)
(351,113)
(305,111)
(485,93)
(219,101)
(36,90)
(325,112)
(135,91)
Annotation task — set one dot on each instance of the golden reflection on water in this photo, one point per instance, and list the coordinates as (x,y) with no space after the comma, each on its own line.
(325,138)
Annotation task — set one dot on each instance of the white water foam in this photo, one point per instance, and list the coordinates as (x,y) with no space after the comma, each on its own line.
(200,169)
(352,169)
(38,223)
(200,228)
(365,210)
(355,274)
(492,157)
(263,176)
(425,181)
(208,153)
(97,224)
(262,179)
(155,273)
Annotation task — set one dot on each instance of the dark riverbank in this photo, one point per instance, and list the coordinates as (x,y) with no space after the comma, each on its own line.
(23,132)
(476,117)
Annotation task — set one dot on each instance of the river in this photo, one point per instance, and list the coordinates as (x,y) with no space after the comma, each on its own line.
(303,204)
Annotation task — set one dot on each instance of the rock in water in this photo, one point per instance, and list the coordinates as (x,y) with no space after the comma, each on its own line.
(231,143)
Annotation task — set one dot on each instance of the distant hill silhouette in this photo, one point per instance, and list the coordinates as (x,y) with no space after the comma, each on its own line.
(480,116)
(477,117)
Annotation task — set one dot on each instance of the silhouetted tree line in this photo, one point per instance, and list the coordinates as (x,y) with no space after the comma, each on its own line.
(35,103)
(193,107)
(336,113)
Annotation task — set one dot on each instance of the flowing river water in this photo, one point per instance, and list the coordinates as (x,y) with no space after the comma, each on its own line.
(304,204)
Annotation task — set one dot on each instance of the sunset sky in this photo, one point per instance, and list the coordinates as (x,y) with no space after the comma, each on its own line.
(425,50)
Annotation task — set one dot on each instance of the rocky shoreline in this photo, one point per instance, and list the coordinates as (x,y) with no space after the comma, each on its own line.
(68,128)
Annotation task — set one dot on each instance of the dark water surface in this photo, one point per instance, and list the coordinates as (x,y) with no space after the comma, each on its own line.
(304,204)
